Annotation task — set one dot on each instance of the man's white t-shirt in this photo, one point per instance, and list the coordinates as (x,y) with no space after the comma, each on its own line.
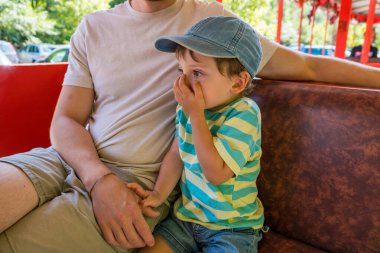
(113,52)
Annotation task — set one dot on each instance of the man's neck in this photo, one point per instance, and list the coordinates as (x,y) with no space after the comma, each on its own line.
(149,6)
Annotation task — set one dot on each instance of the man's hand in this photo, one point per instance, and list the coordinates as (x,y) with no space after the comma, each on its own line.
(150,199)
(189,95)
(119,216)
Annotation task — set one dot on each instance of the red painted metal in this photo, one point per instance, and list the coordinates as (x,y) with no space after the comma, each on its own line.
(363,18)
(279,20)
(313,11)
(332,42)
(368,32)
(325,34)
(301,4)
(343,8)
(344,22)
(311,16)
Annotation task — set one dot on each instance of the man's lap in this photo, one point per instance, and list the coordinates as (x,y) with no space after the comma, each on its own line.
(63,224)
(64,220)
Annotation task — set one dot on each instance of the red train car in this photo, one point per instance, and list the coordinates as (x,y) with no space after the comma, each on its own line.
(367,11)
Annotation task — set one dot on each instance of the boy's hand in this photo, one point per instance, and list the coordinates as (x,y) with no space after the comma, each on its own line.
(143,194)
(150,199)
(189,95)
(153,200)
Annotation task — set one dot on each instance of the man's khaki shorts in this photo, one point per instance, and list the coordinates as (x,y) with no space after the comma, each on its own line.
(64,221)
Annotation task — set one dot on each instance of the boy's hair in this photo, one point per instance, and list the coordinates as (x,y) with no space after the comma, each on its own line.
(226,66)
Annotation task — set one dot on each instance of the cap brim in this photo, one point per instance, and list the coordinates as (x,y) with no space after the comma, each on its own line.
(169,44)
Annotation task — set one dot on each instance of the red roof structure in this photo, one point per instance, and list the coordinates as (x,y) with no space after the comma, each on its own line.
(367,11)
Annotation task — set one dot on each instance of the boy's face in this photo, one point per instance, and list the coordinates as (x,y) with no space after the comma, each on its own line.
(217,88)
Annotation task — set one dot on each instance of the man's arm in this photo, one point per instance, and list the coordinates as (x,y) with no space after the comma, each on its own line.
(69,136)
(287,64)
(115,206)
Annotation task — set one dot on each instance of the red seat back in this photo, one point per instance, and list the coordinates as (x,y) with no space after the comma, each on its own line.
(320,177)
(28,95)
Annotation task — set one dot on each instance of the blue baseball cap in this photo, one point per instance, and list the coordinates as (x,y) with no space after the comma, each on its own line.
(219,37)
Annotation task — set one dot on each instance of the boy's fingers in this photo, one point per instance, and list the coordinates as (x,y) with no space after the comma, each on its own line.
(197,88)
(176,85)
(138,190)
(184,85)
(177,92)
(150,212)
(132,185)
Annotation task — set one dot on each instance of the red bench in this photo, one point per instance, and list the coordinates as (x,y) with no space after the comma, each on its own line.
(320,178)
(28,95)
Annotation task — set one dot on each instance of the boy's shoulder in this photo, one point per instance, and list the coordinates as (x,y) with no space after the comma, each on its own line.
(245,104)
(243,108)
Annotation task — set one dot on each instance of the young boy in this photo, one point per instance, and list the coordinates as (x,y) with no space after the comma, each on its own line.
(217,145)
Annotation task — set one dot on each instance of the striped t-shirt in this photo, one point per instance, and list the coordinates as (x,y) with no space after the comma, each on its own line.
(236,130)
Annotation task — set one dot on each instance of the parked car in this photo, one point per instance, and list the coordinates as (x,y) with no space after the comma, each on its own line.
(59,55)
(4,59)
(9,51)
(35,52)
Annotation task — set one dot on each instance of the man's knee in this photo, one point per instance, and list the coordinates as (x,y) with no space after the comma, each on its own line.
(18,195)
(12,178)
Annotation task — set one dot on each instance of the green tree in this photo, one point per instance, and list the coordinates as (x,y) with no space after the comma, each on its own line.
(54,21)
(291,20)
(112,3)
(20,23)
(66,15)
(258,13)
(51,21)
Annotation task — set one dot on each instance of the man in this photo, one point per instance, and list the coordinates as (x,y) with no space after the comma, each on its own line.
(357,50)
(116,114)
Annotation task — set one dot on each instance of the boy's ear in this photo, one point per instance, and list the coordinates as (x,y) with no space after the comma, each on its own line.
(240,82)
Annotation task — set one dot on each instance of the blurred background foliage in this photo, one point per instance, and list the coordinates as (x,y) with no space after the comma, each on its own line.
(54,21)
(48,21)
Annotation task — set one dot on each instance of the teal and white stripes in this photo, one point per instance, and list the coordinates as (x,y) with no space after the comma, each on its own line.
(236,129)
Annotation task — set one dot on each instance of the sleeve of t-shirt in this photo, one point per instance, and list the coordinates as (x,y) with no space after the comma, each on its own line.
(268,46)
(238,139)
(78,73)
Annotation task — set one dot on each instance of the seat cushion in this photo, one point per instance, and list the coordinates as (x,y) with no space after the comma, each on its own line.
(273,242)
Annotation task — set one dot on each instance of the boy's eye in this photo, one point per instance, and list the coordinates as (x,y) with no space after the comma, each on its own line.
(197,73)
(180,70)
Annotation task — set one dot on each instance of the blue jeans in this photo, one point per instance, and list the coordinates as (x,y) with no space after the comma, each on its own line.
(189,237)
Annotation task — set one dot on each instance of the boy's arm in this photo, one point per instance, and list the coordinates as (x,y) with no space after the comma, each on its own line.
(213,166)
(170,172)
